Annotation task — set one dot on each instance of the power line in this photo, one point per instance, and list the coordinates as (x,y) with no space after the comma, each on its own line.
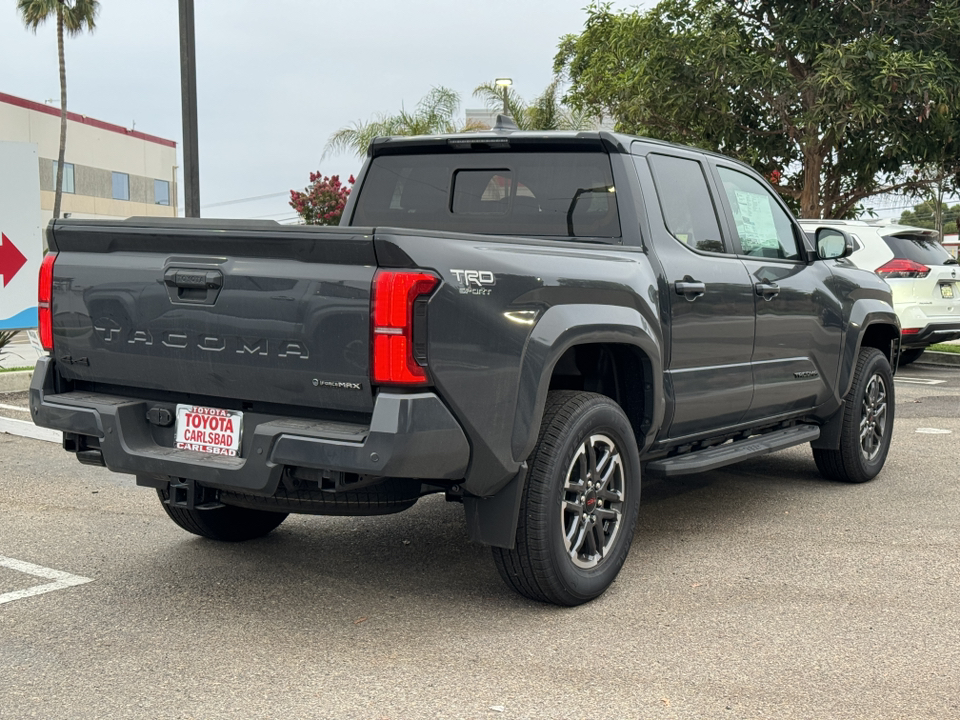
(248,199)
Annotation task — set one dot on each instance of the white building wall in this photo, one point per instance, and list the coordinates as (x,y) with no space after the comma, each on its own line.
(93,144)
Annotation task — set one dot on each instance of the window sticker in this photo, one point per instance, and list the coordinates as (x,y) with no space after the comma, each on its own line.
(754,218)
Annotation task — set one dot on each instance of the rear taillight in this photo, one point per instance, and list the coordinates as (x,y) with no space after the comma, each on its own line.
(903,268)
(910,331)
(396,360)
(45,301)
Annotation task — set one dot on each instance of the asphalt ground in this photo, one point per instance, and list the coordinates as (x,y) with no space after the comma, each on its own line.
(759,591)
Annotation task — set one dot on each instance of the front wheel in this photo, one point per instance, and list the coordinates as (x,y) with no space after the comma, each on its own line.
(580,504)
(227,523)
(867,423)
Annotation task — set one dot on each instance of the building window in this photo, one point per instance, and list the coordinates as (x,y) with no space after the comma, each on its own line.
(68,186)
(121,186)
(161,192)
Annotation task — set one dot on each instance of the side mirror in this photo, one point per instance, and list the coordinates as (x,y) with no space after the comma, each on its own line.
(833,244)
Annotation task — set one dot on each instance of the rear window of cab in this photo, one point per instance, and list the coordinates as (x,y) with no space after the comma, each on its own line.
(548,194)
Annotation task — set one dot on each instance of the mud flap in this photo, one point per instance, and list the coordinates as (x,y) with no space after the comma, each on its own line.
(493,520)
(830,431)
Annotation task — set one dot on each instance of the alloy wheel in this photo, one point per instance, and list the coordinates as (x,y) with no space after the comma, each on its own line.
(593,496)
(873,417)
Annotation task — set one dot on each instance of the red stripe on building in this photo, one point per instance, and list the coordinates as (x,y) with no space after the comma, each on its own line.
(83,120)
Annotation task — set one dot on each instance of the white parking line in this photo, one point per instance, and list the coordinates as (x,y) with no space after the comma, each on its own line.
(23,428)
(918,381)
(14,407)
(62,580)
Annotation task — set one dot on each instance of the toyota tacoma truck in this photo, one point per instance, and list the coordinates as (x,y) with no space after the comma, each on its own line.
(526,322)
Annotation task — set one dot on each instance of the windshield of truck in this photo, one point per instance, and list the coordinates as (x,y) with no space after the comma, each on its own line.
(567,194)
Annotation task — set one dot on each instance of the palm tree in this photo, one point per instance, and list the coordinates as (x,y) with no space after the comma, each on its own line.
(74,17)
(434,114)
(546,112)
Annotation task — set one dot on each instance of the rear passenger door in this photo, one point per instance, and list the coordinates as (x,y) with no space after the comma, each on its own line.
(706,295)
(798,317)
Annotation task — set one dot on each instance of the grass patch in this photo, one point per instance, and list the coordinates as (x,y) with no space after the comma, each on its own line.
(16,369)
(945,347)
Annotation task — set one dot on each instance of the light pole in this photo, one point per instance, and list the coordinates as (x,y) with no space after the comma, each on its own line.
(504,83)
(188,106)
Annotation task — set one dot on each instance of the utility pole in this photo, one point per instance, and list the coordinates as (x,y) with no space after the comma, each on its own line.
(188,107)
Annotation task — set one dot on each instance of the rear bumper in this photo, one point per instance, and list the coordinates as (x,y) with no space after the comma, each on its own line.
(930,334)
(410,436)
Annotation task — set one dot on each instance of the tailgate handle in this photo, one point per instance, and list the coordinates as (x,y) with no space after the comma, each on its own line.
(193,286)
(193,278)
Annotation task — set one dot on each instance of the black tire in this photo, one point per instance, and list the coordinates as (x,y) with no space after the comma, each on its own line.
(910,355)
(547,563)
(867,423)
(229,524)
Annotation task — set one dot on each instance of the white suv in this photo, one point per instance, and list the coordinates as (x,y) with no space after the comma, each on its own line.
(921,273)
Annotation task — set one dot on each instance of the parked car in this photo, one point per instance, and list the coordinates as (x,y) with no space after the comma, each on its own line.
(919,270)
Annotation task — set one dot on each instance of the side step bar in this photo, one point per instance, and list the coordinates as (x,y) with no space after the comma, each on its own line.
(716,457)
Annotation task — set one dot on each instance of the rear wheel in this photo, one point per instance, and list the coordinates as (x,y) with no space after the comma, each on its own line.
(580,504)
(228,523)
(867,423)
(910,355)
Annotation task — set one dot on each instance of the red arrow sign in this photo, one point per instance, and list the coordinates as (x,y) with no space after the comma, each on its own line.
(11,260)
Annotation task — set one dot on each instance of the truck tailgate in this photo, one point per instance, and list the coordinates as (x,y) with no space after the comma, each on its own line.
(240,310)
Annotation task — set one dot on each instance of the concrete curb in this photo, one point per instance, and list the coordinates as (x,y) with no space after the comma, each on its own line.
(939,358)
(15,381)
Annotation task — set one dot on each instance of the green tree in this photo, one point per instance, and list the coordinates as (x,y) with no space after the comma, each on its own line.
(545,112)
(924,215)
(73,18)
(435,113)
(830,99)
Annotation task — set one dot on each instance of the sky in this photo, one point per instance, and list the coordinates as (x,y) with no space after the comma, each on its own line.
(276,79)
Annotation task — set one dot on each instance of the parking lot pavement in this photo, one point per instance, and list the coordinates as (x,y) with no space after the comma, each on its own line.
(760,591)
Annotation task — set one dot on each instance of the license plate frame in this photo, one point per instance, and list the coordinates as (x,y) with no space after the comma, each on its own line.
(946,291)
(209,430)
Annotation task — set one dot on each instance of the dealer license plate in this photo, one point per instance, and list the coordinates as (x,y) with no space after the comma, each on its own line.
(209,430)
(946,291)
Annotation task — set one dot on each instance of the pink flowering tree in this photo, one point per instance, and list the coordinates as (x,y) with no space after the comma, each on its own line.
(322,201)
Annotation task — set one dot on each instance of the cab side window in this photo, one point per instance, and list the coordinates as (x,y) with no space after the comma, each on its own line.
(688,210)
(764,228)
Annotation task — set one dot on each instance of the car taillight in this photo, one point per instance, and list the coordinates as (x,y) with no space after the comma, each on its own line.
(910,331)
(45,301)
(396,360)
(903,268)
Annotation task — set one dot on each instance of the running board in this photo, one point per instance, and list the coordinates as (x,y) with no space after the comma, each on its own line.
(716,457)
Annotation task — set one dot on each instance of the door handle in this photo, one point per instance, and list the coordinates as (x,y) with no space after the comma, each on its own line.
(768,291)
(691,290)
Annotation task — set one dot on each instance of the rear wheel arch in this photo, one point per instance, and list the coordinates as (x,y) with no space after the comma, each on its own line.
(569,349)
(619,371)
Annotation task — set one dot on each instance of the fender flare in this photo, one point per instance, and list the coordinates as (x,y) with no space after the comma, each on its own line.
(863,315)
(562,327)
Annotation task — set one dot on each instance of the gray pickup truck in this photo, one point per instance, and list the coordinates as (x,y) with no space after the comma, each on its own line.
(526,322)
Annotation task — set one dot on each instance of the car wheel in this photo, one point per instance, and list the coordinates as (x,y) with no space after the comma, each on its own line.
(867,423)
(580,504)
(910,355)
(227,523)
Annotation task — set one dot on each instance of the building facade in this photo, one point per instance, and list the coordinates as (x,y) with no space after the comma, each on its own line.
(109,171)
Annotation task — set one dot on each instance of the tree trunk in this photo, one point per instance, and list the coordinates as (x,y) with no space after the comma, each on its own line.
(810,203)
(58,188)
